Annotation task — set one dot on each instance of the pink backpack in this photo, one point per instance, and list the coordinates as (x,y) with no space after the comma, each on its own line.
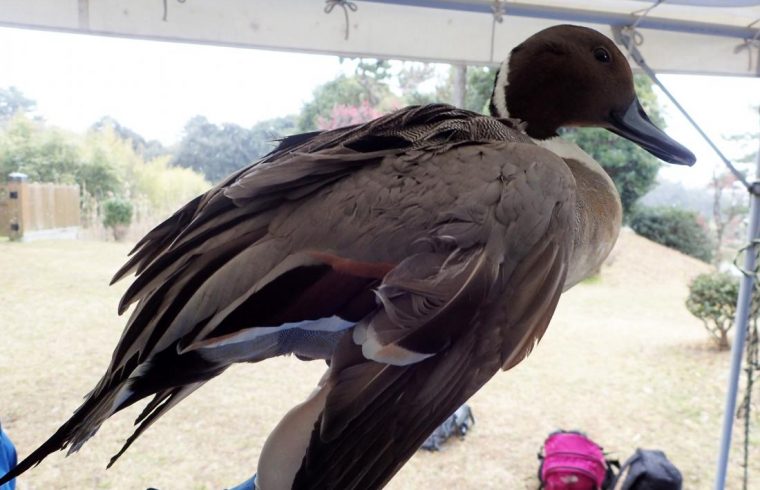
(572,461)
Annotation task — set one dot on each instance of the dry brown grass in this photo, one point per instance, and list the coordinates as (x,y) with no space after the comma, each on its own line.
(623,360)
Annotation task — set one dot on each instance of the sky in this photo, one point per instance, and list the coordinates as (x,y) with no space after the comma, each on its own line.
(155,87)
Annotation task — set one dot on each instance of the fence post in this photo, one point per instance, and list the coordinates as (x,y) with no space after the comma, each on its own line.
(16,184)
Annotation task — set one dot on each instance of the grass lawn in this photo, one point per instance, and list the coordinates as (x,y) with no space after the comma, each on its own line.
(623,360)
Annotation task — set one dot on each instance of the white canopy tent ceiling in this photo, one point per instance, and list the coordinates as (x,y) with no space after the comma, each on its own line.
(677,36)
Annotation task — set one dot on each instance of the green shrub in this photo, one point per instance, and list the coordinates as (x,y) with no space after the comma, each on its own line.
(117,211)
(712,299)
(675,228)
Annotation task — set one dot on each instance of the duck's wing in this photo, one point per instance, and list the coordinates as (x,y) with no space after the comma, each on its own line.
(300,165)
(212,274)
(449,320)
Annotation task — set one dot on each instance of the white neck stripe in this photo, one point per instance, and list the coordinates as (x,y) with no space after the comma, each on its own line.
(500,90)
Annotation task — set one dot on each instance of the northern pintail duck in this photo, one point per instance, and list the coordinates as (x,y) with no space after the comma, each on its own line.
(418,254)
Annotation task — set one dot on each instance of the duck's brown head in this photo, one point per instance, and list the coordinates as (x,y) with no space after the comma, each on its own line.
(573,76)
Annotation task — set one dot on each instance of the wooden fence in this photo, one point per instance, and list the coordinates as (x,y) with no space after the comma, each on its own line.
(34,210)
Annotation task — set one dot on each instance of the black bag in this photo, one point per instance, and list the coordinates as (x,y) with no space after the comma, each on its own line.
(648,470)
(458,424)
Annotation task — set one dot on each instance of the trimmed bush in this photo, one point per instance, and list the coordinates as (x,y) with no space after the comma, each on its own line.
(712,299)
(117,215)
(675,228)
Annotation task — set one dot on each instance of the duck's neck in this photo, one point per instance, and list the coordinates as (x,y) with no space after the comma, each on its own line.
(539,118)
(598,212)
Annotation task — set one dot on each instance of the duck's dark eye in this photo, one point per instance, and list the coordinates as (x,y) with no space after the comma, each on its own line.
(602,55)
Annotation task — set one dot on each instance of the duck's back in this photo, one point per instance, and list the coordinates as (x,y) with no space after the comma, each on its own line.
(305,162)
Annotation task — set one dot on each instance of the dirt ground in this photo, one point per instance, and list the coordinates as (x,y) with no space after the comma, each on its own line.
(623,360)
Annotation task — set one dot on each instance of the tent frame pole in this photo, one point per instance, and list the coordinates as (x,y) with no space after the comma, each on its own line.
(743,304)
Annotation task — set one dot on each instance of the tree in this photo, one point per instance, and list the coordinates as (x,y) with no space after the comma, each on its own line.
(345,115)
(373,75)
(368,85)
(410,78)
(164,187)
(480,82)
(216,151)
(12,102)
(354,98)
(213,150)
(148,149)
(730,199)
(265,134)
(478,88)
(343,90)
(45,155)
(100,162)
(729,207)
(633,170)
(106,164)
(111,168)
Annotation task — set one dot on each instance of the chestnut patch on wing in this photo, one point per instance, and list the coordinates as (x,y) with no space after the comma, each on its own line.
(335,286)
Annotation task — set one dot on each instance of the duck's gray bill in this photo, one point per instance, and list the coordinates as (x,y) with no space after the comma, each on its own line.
(634,124)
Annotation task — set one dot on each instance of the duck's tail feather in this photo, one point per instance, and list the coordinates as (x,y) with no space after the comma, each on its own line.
(160,404)
(82,425)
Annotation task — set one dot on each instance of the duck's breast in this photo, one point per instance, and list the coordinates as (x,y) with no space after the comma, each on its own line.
(598,211)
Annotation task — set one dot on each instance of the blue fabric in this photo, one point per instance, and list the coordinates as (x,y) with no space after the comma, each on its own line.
(7,459)
(249,484)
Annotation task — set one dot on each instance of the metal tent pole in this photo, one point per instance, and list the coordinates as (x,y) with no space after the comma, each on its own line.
(742,318)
